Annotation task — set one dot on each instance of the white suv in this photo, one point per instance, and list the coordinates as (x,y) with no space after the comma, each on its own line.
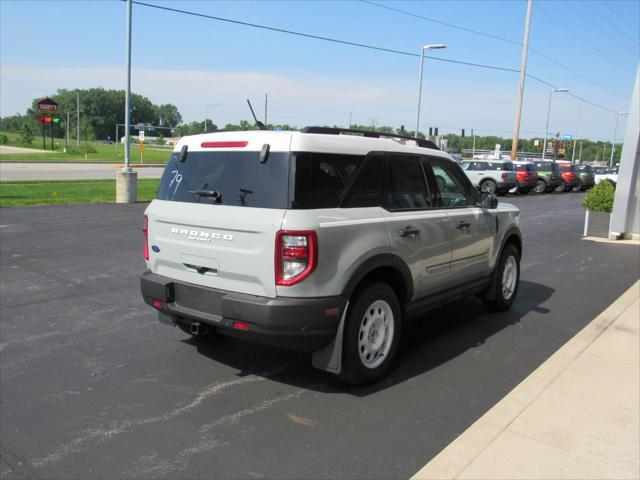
(324,240)
(493,176)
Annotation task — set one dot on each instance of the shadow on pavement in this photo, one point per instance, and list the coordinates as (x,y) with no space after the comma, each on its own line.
(427,343)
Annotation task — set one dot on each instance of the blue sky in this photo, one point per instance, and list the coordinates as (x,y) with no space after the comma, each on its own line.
(194,62)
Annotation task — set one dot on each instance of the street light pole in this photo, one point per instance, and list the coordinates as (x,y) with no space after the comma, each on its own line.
(127,95)
(546,130)
(523,76)
(613,142)
(422,49)
(127,179)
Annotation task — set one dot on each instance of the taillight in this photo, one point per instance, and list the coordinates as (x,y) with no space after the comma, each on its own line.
(145,230)
(296,255)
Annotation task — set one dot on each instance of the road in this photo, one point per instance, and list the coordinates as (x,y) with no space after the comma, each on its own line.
(94,387)
(69,171)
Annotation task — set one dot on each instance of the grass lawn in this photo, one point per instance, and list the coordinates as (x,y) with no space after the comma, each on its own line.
(103,153)
(59,192)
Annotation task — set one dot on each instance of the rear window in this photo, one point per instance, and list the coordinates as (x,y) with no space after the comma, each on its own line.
(566,168)
(239,177)
(525,167)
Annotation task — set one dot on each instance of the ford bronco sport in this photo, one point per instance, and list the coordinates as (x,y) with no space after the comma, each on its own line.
(323,240)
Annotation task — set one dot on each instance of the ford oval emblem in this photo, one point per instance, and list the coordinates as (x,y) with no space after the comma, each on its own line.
(155,248)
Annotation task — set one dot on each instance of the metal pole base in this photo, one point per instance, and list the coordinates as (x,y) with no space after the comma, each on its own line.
(126,187)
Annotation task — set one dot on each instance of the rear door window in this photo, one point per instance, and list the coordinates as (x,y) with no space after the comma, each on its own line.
(405,187)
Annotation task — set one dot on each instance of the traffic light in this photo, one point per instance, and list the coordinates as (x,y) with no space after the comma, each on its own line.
(435,131)
(463,133)
(568,143)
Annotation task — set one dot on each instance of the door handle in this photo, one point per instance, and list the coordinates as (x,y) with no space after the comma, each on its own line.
(463,225)
(409,232)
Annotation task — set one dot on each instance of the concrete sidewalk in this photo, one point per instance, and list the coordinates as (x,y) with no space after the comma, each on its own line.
(577,416)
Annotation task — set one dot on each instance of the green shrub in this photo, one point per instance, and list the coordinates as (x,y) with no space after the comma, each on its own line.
(3,139)
(26,135)
(600,198)
(81,149)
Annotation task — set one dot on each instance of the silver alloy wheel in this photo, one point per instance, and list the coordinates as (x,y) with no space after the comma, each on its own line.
(488,186)
(509,277)
(376,334)
(541,187)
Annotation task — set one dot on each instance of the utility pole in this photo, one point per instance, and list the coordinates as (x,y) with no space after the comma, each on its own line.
(127,179)
(523,76)
(575,140)
(78,118)
(580,151)
(266,101)
(350,119)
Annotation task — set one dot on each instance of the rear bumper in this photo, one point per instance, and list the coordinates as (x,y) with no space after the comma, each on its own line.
(507,185)
(528,184)
(300,324)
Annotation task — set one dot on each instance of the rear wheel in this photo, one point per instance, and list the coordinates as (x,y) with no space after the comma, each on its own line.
(578,188)
(515,190)
(541,186)
(507,280)
(561,187)
(488,186)
(372,334)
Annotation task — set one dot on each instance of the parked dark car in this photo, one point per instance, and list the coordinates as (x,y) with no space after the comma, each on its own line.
(587,178)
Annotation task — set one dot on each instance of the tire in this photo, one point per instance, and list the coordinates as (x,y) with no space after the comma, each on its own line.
(488,186)
(507,280)
(561,187)
(515,190)
(578,188)
(541,186)
(368,354)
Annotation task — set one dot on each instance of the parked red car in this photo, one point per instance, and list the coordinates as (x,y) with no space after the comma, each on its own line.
(526,176)
(570,177)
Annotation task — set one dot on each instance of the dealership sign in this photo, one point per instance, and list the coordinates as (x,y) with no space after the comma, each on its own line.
(47,111)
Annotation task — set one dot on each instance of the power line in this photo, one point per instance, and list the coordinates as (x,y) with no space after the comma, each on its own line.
(618,15)
(440,22)
(604,30)
(326,39)
(586,42)
(495,37)
(605,16)
(360,45)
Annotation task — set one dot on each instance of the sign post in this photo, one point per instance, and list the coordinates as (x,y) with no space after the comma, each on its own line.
(47,112)
(141,143)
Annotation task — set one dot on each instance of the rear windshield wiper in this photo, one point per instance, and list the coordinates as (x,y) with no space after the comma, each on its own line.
(216,195)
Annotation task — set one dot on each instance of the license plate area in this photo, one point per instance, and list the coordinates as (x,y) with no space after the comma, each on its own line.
(198,299)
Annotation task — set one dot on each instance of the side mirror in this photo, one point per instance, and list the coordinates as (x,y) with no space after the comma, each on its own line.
(488,200)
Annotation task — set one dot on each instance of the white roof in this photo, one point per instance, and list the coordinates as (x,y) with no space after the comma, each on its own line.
(302,142)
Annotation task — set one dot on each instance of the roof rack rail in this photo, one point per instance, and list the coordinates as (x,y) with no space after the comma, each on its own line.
(366,133)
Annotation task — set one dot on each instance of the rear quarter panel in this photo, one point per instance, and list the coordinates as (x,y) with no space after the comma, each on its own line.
(345,241)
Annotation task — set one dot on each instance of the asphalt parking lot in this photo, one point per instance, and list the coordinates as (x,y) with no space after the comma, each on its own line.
(94,387)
